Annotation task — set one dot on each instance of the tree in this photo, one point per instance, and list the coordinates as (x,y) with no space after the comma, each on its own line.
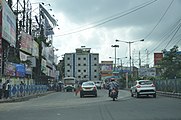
(171,63)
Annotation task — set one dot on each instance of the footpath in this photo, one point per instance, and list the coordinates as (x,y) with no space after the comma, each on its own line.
(24,98)
(169,94)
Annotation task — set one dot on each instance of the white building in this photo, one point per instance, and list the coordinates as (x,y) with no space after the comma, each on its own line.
(82,65)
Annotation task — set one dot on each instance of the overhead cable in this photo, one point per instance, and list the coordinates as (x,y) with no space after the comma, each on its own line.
(109,19)
(159,20)
(173,35)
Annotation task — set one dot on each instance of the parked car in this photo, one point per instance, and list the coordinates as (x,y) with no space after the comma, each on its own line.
(143,87)
(88,88)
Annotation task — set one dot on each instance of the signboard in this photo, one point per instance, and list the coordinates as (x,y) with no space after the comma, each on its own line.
(8,24)
(20,70)
(10,69)
(26,42)
(35,49)
(157,57)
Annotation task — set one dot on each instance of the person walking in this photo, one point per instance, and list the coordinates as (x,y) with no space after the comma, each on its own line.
(1,89)
(6,89)
(77,88)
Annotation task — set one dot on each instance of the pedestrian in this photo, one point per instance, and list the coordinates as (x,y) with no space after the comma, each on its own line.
(1,89)
(22,85)
(6,88)
(77,88)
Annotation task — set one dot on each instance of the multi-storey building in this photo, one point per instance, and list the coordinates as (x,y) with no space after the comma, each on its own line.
(82,65)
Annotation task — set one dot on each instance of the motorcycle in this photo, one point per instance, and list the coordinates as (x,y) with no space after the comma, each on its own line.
(113,94)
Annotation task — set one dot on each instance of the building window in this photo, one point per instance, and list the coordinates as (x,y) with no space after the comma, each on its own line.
(95,58)
(84,70)
(84,58)
(68,64)
(68,70)
(84,64)
(95,64)
(95,76)
(95,70)
(79,70)
(79,58)
(68,58)
(79,76)
(79,65)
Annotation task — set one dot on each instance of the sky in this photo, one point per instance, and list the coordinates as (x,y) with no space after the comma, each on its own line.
(96,24)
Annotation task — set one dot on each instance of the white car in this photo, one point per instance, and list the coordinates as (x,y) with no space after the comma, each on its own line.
(88,88)
(143,87)
(98,84)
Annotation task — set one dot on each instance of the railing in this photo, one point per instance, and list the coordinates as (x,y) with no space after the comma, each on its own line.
(168,85)
(26,90)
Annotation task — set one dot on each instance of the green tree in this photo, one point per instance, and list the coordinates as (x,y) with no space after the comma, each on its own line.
(171,63)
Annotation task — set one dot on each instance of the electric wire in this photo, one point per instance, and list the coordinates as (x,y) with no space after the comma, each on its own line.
(173,35)
(159,20)
(167,34)
(111,18)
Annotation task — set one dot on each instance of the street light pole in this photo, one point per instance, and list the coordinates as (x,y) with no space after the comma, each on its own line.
(129,42)
(115,46)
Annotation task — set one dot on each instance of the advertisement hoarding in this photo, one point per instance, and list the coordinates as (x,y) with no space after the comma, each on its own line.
(26,42)
(8,24)
(157,57)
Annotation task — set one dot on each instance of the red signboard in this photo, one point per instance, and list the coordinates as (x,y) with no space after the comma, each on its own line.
(157,57)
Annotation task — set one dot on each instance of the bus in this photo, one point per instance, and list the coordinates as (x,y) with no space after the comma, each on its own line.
(69,84)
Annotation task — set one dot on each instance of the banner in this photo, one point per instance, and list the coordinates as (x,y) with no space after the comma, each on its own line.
(8,24)
(157,57)
(26,42)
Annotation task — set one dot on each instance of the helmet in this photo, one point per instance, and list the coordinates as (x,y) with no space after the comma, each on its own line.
(112,79)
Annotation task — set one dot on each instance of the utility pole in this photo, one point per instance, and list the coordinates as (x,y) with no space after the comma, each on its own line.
(115,46)
(139,60)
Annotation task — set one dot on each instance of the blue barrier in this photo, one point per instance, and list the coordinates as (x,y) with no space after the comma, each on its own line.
(25,90)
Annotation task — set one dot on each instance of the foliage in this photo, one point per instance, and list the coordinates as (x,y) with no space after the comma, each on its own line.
(171,63)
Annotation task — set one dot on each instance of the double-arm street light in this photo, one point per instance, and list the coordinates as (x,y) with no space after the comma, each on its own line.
(115,46)
(129,42)
(118,60)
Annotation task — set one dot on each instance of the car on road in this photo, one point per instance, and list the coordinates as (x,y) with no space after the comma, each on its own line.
(98,84)
(88,88)
(143,87)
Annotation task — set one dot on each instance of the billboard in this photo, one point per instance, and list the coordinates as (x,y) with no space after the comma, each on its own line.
(157,57)
(10,69)
(106,67)
(26,42)
(20,70)
(8,24)
(35,49)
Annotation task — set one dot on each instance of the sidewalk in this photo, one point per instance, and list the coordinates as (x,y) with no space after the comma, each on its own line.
(24,98)
(169,94)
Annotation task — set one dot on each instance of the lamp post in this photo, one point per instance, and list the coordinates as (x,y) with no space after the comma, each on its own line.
(129,42)
(118,59)
(115,46)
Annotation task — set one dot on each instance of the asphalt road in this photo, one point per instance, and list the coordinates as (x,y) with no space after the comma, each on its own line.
(67,106)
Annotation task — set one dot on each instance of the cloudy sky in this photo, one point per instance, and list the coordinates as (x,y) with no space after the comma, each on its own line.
(96,24)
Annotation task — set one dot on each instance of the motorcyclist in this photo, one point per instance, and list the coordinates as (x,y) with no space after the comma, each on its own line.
(113,85)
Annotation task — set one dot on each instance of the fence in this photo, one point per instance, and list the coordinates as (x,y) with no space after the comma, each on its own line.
(26,90)
(169,85)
